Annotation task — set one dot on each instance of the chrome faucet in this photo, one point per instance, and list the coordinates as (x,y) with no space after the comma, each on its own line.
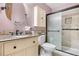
(17,32)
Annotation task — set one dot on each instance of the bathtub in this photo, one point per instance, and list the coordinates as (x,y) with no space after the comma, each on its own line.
(66,51)
(71,50)
(60,53)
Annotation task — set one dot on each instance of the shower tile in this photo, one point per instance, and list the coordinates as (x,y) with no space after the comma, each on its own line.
(71,21)
(66,38)
(71,38)
(75,39)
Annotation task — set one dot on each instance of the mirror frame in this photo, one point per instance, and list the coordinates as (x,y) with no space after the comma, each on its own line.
(8,10)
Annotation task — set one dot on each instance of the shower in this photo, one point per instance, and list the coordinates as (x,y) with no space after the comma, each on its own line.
(63,30)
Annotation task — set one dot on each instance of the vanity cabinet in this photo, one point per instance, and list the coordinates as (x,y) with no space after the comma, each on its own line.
(39,17)
(18,53)
(1,49)
(32,51)
(20,47)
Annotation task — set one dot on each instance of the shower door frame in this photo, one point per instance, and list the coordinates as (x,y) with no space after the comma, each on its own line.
(73,7)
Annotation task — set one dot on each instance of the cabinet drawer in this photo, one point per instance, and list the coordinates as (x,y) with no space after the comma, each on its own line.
(9,47)
(25,43)
(1,49)
(16,45)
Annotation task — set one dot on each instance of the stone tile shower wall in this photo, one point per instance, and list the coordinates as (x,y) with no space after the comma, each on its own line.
(70,37)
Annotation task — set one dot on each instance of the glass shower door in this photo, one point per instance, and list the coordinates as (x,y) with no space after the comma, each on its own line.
(54,29)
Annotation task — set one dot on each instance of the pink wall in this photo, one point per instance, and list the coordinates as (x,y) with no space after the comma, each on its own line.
(59,6)
(5,23)
(18,15)
(31,9)
(18,12)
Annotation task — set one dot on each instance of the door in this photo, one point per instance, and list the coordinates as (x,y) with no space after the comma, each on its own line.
(54,29)
(32,51)
(18,53)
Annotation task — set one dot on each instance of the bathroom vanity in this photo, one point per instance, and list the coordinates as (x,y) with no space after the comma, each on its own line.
(19,46)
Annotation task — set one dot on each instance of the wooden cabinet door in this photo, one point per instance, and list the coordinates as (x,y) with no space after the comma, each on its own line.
(21,47)
(29,51)
(32,51)
(18,53)
(1,49)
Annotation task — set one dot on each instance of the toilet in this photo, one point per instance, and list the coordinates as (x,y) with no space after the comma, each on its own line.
(46,48)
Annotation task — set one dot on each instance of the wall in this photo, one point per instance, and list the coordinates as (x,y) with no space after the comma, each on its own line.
(18,15)
(31,9)
(71,37)
(59,6)
(21,9)
(5,23)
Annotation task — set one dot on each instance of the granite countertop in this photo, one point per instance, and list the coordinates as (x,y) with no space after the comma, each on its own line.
(6,38)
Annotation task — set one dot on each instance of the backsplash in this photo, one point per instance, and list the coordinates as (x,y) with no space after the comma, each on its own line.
(39,30)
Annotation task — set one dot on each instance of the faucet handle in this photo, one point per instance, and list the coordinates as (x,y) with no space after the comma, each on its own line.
(11,33)
(21,33)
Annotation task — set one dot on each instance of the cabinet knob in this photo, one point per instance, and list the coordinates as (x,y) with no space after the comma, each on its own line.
(33,41)
(14,47)
(41,17)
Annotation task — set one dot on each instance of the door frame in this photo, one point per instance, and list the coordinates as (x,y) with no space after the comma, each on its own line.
(73,7)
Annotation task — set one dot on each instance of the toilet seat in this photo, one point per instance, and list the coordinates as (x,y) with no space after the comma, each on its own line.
(48,47)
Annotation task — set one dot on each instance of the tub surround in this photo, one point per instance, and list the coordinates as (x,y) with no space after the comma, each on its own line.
(59,53)
(70,25)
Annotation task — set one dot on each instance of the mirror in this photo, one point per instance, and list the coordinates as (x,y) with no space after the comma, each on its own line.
(8,10)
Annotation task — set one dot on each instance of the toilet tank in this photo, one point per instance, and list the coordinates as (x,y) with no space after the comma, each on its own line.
(41,39)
